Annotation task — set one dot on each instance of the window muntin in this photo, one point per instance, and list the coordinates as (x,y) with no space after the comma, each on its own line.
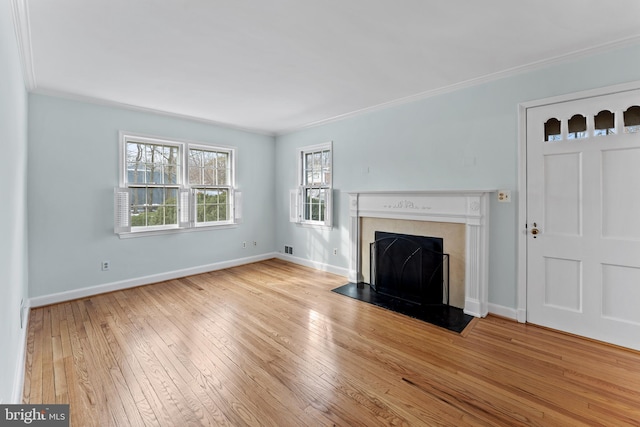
(172,185)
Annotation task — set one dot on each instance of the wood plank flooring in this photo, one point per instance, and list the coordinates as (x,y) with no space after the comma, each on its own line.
(270,344)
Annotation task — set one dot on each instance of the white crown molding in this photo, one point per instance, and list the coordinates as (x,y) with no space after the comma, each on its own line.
(593,50)
(131,107)
(22,29)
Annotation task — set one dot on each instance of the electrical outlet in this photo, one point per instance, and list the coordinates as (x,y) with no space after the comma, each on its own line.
(335,251)
(288,250)
(255,243)
(504,196)
(106,265)
(244,245)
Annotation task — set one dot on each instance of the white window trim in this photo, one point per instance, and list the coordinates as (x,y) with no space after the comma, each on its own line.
(235,196)
(296,196)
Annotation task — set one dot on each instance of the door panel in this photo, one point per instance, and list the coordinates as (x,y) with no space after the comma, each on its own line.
(583,197)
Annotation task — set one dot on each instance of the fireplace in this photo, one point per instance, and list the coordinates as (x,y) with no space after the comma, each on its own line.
(468,209)
(412,268)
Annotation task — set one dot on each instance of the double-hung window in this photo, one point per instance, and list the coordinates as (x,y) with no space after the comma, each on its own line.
(166,184)
(311,202)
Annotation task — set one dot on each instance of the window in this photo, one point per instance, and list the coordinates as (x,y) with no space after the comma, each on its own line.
(552,130)
(168,185)
(210,180)
(577,127)
(605,123)
(632,119)
(311,202)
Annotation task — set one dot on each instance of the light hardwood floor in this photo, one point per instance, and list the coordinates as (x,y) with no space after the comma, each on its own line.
(270,344)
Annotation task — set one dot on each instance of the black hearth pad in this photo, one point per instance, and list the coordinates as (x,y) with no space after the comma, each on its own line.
(445,316)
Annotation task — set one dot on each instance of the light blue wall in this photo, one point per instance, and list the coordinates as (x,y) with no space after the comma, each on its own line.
(73,168)
(432,144)
(13,224)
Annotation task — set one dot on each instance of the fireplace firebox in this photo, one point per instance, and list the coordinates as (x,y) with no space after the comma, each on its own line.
(410,268)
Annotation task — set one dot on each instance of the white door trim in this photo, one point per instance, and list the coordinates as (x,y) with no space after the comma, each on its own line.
(521,271)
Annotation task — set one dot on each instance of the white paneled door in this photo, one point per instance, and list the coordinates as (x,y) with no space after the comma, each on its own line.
(583,217)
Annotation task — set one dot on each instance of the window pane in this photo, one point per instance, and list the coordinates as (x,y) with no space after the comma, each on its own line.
(223,160)
(156,215)
(552,130)
(632,119)
(208,159)
(577,127)
(194,175)
(604,123)
(222,177)
(195,158)
(170,174)
(208,176)
(138,216)
(325,159)
(171,196)
(136,172)
(150,151)
(154,173)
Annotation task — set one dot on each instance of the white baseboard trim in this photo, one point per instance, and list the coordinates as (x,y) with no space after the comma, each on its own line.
(340,271)
(145,280)
(18,380)
(500,310)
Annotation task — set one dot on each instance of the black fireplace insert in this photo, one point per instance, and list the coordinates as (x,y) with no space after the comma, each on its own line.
(411,268)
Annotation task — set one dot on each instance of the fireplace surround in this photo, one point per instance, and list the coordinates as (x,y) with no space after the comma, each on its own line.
(470,208)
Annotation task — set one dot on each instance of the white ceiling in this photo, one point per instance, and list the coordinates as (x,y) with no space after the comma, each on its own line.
(273,66)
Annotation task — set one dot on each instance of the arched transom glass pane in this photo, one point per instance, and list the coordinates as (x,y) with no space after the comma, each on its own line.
(552,130)
(604,123)
(577,127)
(632,119)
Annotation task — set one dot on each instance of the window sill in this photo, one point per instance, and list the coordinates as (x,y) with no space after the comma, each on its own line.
(165,231)
(314,225)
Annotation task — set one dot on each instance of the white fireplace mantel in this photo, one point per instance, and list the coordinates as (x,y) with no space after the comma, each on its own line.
(464,207)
